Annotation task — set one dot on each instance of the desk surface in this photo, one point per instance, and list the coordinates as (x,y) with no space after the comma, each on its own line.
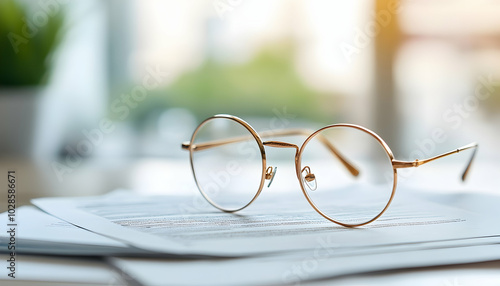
(154,175)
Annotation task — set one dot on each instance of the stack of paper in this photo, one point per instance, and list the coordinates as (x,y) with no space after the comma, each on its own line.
(267,243)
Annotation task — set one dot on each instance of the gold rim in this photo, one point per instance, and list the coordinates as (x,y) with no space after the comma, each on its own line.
(388,151)
(262,152)
(396,164)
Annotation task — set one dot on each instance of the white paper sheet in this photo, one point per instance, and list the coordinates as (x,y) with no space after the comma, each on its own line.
(39,232)
(177,225)
(322,263)
(293,268)
(60,271)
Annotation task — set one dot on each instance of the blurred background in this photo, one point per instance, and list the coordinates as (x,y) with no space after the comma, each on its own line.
(96,95)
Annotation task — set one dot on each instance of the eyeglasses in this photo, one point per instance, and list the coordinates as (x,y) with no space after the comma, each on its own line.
(347,173)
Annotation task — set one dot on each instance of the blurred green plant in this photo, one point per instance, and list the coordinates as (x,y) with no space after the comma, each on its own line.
(256,88)
(26,48)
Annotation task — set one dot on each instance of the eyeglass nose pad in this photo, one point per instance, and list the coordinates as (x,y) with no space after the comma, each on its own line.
(309,178)
(270,174)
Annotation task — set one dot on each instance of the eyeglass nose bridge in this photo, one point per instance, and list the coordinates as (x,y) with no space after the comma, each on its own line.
(270,173)
(280,144)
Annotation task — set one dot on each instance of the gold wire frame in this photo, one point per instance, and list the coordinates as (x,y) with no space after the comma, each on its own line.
(266,172)
(194,147)
(386,149)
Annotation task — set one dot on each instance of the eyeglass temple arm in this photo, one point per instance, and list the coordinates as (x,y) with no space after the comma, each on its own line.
(291,132)
(416,163)
(214,143)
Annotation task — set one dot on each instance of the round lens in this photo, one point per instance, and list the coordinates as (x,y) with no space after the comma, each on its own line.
(346,174)
(227,162)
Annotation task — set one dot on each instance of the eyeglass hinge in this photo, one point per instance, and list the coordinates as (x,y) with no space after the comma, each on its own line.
(406,164)
(185,145)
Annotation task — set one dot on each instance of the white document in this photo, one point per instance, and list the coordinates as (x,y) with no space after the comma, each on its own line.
(59,271)
(185,226)
(293,268)
(39,232)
